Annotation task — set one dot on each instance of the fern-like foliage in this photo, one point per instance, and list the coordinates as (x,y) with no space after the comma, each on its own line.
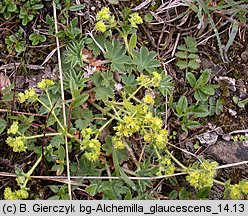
(187,55)
(72,56)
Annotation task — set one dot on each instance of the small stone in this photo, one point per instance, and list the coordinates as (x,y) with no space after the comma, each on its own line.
(244,56)
(232,112)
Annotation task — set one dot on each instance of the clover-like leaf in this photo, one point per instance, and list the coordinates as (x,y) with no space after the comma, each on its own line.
(182,64)
(145,60)
(182,55)
(193,64)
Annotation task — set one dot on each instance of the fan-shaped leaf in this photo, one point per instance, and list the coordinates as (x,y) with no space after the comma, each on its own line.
(145,60)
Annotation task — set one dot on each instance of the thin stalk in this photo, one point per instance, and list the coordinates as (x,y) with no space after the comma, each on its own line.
(136,99)
(49,99)
(134,93)
(157,153)
(107,113)
(49,109)
(177,161)
(126,44)
(63,99)
(125,111)
(219,182)
(113,108)
(108,170)
(110,120)
(42,135)
(31,171)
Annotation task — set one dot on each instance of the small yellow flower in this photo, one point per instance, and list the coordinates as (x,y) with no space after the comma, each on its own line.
(235,192)
(13,128)
(135,19)
(92,148)
(41,84)
(22,97)
(118,144)
(18,143)
(156,123)
(22,194)
(244,187)
(156,80)
(9,195)
(100,26)
(30,93)
(44,84)
(143,80)
(103,14)
(148,137)
(161,139)
(148,99)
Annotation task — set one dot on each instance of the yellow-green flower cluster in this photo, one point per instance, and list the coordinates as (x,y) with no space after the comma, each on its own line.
(118,143)
(17,143)
(15,195)
(244,186)
(100,26)
(127,129)
(104,20)
(135,19)
(235,192)
(202,177)
(156,79)
(44,84)
(103,14)
(166,167)
(92,147)
(146,81)
(13,128)
(148,99)
(28,94)
(140,121)
(161,138)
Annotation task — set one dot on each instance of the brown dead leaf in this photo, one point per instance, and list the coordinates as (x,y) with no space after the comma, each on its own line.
(4,81)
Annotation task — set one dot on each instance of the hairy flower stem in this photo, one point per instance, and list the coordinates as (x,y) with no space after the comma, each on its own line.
(46,135)
(127,46)
(52,112)
(177,161)
(134,93)
(107,113)
(105,125)
(49,99)
(219,182)
(124,36)
(113,108)
(120,108)
(157,153)
(29,173)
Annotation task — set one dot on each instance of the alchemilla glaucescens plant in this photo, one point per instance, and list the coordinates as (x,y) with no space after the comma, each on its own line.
(114,121)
